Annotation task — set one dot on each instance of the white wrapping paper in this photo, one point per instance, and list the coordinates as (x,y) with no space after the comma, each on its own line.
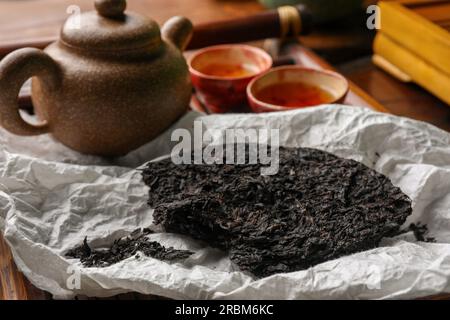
(52,197)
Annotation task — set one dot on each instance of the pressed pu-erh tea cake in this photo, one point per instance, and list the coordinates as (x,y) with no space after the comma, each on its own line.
(316,208)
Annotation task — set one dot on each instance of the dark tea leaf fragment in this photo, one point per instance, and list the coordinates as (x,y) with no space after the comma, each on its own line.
(420,232)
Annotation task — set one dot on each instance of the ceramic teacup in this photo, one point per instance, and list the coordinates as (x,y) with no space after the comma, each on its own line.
(290,87)
(220,74)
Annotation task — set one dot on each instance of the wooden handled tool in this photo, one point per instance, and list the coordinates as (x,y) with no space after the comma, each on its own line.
(285,22)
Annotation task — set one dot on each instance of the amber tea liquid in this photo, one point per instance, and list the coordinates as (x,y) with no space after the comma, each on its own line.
(294,94)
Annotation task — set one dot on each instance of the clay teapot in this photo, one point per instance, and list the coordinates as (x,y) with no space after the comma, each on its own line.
(111,83)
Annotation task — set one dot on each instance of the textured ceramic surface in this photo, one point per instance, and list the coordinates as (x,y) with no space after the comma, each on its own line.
(105,88)
(332,82)
(221,93)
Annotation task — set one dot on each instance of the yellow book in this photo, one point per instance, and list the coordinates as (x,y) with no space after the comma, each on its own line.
(410,27)
(411,65)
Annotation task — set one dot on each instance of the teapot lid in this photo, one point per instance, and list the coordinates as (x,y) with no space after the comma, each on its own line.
(110,29)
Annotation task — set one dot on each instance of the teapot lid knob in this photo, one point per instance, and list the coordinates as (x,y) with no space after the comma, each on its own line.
(110,8)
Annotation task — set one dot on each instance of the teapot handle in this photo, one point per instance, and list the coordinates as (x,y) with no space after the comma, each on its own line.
(15,69)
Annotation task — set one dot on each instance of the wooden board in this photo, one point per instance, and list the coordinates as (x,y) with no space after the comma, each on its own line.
(22,21)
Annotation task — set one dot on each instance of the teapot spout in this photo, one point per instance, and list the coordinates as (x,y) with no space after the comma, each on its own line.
(178,30)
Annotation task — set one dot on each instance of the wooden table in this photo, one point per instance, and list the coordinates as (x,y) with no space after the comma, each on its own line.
(346,46)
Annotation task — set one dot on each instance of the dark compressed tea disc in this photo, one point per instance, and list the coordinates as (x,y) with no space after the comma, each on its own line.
(316,208)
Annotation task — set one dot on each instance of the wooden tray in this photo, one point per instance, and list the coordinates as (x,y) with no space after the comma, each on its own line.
(13,284)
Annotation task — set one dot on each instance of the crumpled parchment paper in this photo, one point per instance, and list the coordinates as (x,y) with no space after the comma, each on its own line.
(52,197)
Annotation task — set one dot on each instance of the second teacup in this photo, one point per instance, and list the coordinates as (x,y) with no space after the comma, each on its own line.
(291,87)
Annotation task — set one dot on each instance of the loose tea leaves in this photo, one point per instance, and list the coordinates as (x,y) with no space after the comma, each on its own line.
(124,248)
(318,207)
(420,232)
